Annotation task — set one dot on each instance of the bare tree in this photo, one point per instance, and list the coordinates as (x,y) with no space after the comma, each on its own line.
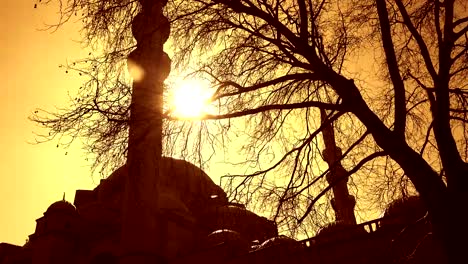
(391,76)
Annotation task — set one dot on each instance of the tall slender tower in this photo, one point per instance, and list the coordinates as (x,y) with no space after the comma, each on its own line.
(343,203)
(143,230)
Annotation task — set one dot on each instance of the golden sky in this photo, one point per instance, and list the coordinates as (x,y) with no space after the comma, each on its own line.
(34,176)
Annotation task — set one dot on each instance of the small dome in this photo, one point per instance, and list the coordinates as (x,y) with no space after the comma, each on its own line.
(333,228)
(411,205)
(404,211)
(61,207)
(280,240)
(230,237)
(222,236)
(339,230)
(234,210)
(236,217)
(223,217)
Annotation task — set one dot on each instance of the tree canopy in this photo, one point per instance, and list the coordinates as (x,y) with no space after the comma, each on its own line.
(390,76)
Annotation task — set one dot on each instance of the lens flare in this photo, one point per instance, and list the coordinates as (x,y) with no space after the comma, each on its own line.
(136,71)
(189,99)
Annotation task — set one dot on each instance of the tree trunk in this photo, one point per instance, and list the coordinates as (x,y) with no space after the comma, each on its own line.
(447,210)
(451,227)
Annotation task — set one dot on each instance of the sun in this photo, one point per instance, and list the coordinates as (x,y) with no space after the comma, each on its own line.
(189,99)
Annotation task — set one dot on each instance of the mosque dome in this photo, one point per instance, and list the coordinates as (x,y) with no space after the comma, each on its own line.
(61,207)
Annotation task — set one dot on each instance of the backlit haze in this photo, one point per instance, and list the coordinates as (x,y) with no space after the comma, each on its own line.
(189,98)
(34,176)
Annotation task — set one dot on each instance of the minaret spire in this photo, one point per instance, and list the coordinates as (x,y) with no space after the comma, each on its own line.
(343,203)
(143,237)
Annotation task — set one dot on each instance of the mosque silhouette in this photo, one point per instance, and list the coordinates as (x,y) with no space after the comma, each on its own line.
(202,226)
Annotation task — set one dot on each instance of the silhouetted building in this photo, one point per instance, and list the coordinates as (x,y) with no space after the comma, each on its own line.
(201,226)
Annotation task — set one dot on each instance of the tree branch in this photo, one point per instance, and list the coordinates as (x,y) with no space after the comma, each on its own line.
(419,40)
(392,64)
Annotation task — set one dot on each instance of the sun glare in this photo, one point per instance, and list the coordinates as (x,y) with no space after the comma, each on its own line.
(189,99)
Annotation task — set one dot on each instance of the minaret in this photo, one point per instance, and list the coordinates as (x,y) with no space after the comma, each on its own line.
(143,229)
(343,203)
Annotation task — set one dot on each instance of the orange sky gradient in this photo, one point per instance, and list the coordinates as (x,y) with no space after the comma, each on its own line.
(34,176)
